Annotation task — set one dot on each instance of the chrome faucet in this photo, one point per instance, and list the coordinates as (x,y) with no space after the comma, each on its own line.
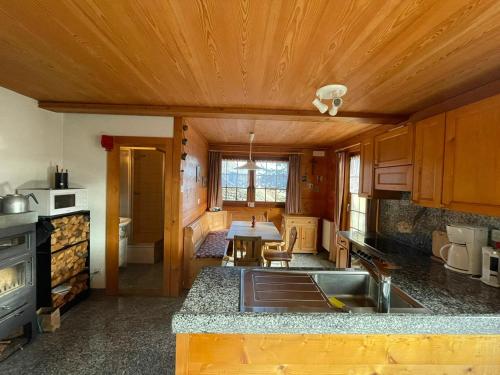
(384,292)
(383,279)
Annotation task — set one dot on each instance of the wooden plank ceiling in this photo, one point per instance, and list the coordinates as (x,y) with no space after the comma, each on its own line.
(276,132)
(396,57)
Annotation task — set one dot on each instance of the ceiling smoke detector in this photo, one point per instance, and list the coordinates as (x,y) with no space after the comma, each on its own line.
(330,92)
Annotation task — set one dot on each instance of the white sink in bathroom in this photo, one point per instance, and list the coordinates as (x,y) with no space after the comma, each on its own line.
(125,221)
(123,240)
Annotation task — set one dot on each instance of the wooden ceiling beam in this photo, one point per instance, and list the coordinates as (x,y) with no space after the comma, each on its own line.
(222,112)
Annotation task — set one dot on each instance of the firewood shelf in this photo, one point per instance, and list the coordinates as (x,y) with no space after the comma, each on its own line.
(64,257)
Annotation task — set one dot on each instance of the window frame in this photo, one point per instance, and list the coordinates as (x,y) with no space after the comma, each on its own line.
(348,207)
(235,202)
(256,203)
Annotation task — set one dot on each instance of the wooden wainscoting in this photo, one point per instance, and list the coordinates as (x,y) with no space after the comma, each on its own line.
(337,354)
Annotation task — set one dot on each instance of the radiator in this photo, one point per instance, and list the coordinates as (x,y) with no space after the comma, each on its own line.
(328,235)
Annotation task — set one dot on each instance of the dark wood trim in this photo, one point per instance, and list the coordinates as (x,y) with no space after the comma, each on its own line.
(221,112)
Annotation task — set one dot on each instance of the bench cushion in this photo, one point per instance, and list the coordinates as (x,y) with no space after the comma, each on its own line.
(214,245)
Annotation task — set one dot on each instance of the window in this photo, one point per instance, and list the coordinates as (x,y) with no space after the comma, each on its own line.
(357,204)
(270,181)
(234,181)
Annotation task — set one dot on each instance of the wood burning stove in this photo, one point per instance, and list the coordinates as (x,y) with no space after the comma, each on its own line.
(17,280)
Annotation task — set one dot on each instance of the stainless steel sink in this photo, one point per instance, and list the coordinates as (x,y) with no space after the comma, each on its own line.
(359,291)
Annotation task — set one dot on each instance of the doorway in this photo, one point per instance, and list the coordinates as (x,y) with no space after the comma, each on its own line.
(122,205)
(142,186)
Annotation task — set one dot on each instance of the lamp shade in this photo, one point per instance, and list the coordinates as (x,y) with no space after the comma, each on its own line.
(250,165)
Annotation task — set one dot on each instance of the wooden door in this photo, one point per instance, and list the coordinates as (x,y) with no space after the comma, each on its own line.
(308,238)
(394,147)
(366,170)
(471,180)
(148,190)
(428,166)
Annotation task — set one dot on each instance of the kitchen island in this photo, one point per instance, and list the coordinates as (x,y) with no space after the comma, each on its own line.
(460,334)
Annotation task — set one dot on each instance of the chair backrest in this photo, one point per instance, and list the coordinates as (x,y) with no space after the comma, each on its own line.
(247,251)
(291,240)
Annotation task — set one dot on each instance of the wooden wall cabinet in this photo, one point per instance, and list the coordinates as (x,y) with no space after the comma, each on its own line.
(394,148)
(393,159)
(307,232)
(394,178)
(428,166)
(471,179)
(366,170)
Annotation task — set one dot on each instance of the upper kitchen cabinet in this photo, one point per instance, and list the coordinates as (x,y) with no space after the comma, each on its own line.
(366,170)
(394,148)
(393,159)
(428,165)
(471,180)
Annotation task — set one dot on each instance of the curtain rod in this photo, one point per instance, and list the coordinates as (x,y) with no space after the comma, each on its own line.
(257,152)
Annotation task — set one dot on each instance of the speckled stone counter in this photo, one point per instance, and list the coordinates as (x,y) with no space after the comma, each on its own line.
(457,304)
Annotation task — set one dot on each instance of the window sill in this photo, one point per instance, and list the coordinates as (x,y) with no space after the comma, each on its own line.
(257,204)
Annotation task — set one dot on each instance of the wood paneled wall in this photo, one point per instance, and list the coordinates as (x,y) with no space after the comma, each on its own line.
(315,190)
(194,195)
(337,354)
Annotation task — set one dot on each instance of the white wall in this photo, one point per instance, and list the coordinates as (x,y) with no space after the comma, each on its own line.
(86,161)
(30,142)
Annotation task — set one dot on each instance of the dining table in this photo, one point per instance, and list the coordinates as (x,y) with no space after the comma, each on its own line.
(266,230)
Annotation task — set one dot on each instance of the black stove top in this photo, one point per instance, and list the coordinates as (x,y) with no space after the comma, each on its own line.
(383,245)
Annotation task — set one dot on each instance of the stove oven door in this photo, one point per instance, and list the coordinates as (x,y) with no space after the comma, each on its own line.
(16,283)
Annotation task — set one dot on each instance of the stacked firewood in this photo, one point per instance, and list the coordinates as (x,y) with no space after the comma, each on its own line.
(69,230)
(78,284)
(68,263)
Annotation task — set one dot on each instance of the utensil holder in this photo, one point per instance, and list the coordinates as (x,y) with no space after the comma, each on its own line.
(61,180)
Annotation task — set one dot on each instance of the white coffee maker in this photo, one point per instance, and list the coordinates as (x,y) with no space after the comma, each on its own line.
(491,261)
(463,253)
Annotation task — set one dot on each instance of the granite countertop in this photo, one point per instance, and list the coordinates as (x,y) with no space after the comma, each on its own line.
(457,304)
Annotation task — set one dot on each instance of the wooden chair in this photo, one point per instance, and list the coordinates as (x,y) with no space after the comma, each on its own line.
(282,256)
(276,246)
(247,251)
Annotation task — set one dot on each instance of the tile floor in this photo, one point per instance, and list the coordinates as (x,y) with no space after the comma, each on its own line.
(104,335)
(113,335)
(141,276)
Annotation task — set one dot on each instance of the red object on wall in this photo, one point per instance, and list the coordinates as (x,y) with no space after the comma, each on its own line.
(107,142)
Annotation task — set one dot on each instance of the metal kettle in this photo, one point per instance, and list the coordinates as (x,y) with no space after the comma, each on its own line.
(16,203)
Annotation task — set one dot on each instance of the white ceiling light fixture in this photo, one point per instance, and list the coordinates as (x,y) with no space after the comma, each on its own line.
(330,92)
(250,165)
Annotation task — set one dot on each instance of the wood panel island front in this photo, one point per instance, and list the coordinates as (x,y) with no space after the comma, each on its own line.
(457,335)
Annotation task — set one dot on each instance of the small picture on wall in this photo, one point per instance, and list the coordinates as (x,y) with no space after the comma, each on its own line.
(198,173)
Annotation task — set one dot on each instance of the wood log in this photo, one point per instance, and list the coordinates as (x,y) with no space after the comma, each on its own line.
(69,230)
(68,263)
(78,285)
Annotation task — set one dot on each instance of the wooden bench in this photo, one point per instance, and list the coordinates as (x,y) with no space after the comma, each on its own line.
(204,244)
